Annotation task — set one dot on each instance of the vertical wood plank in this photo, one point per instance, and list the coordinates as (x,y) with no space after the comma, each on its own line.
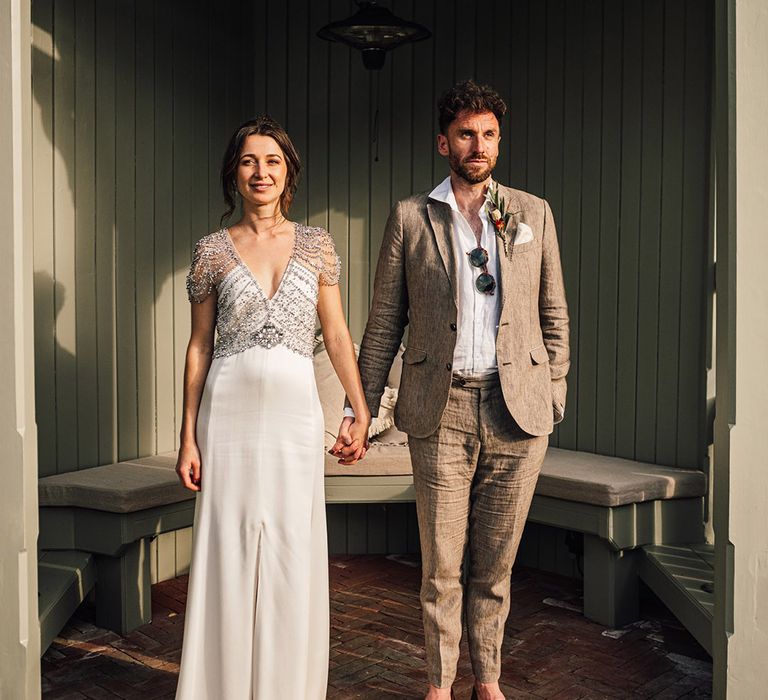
(64,157)
(547,541)
(648,256)
(85,236)
(501,76)
(424,117)
(589,249)
(183,150)
(43,58)
(535,102)
(316,182)
(105,172)
(125,227)
(357,528)
(219,127)
(629,232)
(571,218)
(233,55)
(466,42)
(517,55)
(298,107)
(163,229)
(376,516)
(484,34)
(401,117)
(610,192)
(257,89)
(670,252)
(443,74)
(145,227)
(277,59)
(397,528)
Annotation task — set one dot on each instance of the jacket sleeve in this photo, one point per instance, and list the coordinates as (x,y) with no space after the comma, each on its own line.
(388,315)
(553,313)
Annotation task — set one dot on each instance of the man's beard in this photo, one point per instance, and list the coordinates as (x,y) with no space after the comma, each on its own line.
(473,176)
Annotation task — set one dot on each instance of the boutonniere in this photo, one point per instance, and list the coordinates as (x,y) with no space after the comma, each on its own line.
(496,207)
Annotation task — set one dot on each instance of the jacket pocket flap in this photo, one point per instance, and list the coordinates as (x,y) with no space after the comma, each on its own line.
(412,356)
(539,355)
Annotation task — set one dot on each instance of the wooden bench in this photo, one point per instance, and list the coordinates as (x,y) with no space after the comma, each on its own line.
(64,579)
(113,512)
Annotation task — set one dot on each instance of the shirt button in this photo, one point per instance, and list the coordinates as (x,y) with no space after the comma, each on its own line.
(453,326)
(448,365)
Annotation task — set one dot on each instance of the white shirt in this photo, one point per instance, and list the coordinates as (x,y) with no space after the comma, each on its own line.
(478,313)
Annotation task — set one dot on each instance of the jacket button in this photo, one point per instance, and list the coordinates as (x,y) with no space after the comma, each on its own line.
(453,326)
(448,365)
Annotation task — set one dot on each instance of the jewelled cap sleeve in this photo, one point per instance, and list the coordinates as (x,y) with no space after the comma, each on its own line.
(330,269)
(199,281)
(212,260)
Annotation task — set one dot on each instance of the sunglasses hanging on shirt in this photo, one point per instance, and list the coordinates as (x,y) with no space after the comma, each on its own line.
(485,284)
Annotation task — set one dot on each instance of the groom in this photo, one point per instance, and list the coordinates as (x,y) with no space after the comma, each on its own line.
(474,268)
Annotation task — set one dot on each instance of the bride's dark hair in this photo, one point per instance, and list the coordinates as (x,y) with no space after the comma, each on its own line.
(262,126)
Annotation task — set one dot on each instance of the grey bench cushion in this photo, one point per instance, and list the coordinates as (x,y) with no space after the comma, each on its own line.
(568,475)
(610,481)
(124,487)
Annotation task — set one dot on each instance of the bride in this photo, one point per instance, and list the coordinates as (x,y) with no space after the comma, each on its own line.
(252,435)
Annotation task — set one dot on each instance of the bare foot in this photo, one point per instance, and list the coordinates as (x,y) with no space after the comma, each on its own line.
(489,691)
(438,693)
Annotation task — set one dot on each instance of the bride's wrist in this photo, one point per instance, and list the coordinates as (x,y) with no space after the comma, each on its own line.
(362,413)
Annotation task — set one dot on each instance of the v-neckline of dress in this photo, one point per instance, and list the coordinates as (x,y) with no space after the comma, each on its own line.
(250,272)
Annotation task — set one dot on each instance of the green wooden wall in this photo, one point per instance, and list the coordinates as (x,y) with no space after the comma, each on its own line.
(609,118)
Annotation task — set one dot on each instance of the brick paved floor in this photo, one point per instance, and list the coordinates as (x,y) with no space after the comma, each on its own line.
(550,650)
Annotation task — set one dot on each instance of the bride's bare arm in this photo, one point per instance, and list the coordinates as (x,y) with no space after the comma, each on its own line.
(341,352)
(198,361)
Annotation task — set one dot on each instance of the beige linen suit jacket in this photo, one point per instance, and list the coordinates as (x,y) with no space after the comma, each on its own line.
(415,285)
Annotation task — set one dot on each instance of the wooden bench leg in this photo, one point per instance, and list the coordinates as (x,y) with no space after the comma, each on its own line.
(610,583)
(123,589)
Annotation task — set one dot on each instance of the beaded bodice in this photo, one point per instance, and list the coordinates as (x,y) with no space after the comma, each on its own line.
(245,317)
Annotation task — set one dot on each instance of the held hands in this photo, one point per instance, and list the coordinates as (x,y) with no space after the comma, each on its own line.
(352,442)
(188,467)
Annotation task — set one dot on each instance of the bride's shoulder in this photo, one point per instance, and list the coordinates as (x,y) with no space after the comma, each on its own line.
(214,240)
(314,237)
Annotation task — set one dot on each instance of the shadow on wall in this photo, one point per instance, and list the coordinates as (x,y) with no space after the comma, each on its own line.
(110,310)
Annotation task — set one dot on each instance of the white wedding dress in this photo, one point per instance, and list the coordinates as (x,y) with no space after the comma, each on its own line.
(257,621)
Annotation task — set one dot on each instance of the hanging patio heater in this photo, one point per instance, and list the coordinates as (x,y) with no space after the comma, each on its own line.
(374,30)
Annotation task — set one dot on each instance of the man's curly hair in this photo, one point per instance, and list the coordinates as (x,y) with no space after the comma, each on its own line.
(469,96)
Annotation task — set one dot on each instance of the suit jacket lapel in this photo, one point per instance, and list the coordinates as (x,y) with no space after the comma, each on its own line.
(441,219)
(514,206)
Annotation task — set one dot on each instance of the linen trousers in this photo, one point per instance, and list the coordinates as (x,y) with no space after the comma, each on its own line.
(474,479)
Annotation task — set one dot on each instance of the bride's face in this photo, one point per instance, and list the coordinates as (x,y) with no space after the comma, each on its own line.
(261,171)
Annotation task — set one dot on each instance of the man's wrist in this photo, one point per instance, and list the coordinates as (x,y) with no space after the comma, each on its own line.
(349,412)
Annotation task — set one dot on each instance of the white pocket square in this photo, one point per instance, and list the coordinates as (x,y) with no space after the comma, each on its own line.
(524,234)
